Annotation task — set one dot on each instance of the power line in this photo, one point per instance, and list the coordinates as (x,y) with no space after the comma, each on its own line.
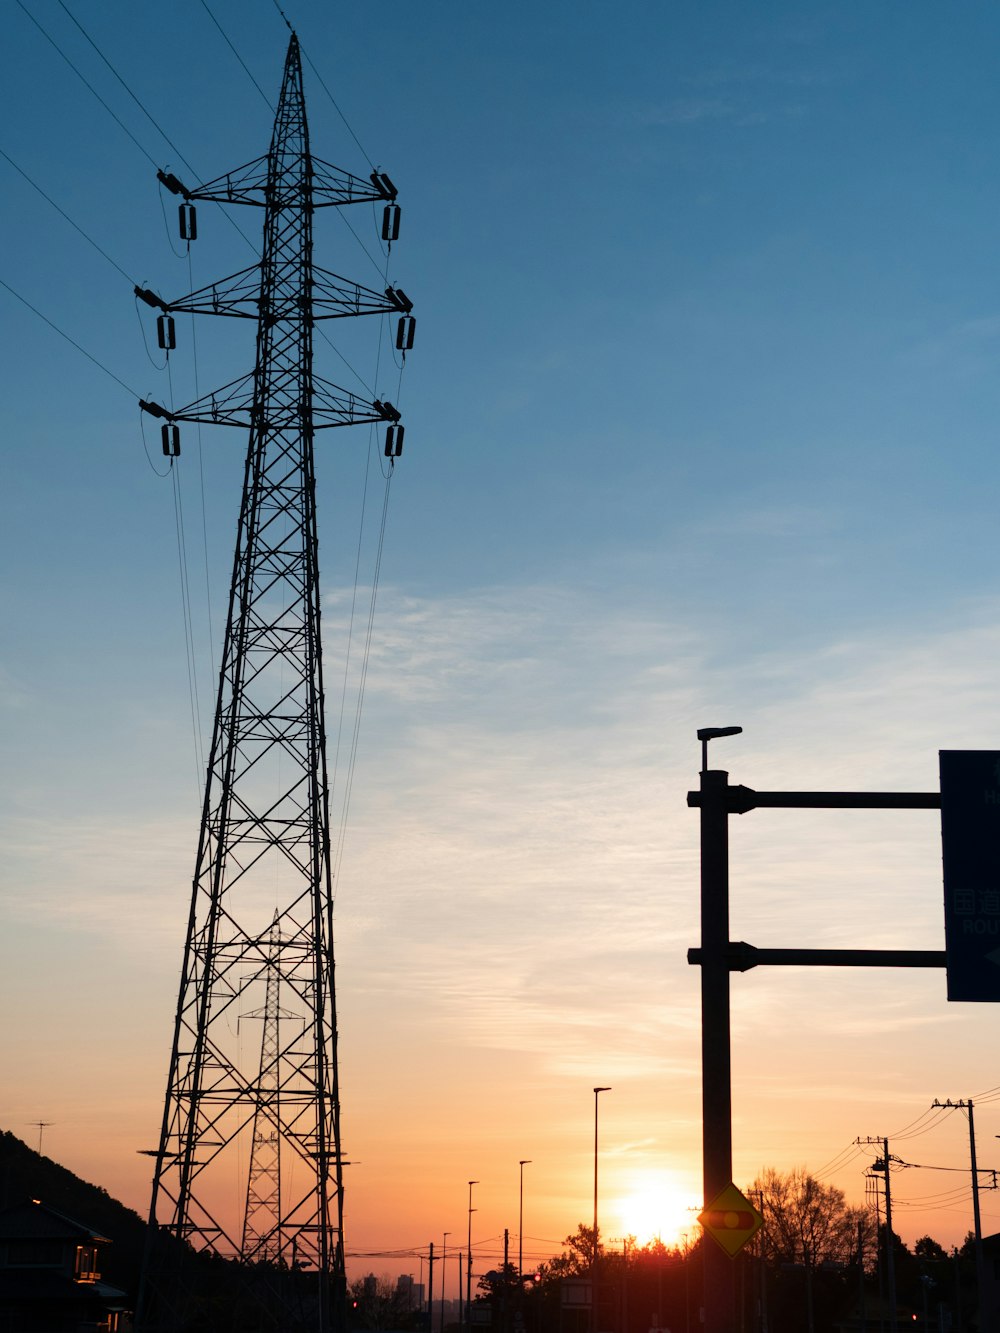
(336,107)
(117,119)
(62,212)
(225,38)
(911,1132)
(152,120)
(842,1159)
(188,630)
(352,760)
(322,84)
(62,334)
(283,15)
(923,1166)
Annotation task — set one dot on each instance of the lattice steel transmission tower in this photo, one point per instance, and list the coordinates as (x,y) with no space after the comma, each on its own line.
(248,1127)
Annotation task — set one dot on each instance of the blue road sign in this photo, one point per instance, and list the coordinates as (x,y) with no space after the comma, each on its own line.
(970,845)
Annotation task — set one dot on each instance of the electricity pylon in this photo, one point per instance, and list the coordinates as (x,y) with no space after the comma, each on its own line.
(263,1207)
(260,930)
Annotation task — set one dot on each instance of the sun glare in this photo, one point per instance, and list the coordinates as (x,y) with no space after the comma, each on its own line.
(657,1208)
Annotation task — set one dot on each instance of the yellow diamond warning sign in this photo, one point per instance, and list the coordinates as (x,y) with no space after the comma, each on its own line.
(731,1220)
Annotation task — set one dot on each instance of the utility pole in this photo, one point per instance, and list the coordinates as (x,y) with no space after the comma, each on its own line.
(430,1286)
(264,841)
(505,1284)
(468,1258)
(977,1221)
(524,1161)
(594,1268)
(444,1275)
(882,1167)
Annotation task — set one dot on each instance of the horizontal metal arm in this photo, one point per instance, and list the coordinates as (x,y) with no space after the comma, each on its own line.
(248,184)
(328,186)
(742,799)
(239,295)
(234,405)
(332,186)
(741,957)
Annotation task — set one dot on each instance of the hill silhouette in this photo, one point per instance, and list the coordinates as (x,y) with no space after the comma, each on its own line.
(24,1174)
(221,1295)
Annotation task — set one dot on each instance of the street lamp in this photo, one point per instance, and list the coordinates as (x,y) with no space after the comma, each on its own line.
(525,1161)
(593,1252)
(444,1271)
(468,1262)
(706,734)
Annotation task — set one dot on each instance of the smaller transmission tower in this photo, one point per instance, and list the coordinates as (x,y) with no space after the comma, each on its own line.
(262,1215)
(249,1167)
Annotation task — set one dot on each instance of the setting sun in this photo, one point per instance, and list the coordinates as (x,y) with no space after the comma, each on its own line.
(657,1207)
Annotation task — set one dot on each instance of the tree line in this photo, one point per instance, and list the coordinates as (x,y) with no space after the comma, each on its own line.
(818,1265)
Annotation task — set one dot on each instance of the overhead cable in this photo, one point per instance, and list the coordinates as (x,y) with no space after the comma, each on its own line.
(117,119)
(62,334)
(284,16)
(236,53)
(152,120)
(62,212)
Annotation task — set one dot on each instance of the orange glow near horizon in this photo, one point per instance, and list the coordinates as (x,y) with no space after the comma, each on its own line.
(657,1206)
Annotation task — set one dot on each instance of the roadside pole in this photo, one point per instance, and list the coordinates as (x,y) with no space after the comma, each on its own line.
(716,1096)
(728,1217)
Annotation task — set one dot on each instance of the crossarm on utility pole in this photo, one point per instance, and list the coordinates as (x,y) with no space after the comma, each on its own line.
(742,799)
(741,957)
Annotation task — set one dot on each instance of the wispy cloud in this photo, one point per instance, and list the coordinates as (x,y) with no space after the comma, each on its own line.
(556,840)
(691,111)
(122,880)
(968,347)
(520,883)
(746,519)
(14,693)
(747,93)
(685,111)
(520,860)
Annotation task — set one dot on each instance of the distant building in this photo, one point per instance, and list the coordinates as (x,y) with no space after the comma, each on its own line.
(50,1275)
(411,1294)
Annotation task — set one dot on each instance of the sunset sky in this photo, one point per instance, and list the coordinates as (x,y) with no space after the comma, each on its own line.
(700,430)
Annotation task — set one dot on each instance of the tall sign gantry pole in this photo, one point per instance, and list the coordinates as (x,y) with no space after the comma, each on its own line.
(260,929)
(718,956)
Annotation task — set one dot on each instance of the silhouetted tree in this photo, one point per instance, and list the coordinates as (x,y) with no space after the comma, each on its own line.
(579,1254)
(648,1280)
(809,1226)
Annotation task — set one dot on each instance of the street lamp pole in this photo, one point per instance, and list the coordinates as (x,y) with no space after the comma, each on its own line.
(525,1161)
(444,1270)
(593,1252)
(468,1261)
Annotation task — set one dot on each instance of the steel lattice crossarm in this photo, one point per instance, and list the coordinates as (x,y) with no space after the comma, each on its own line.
(236,404)
(331,186)
(239,295)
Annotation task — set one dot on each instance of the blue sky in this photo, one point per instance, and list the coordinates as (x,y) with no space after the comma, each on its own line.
(700,429)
